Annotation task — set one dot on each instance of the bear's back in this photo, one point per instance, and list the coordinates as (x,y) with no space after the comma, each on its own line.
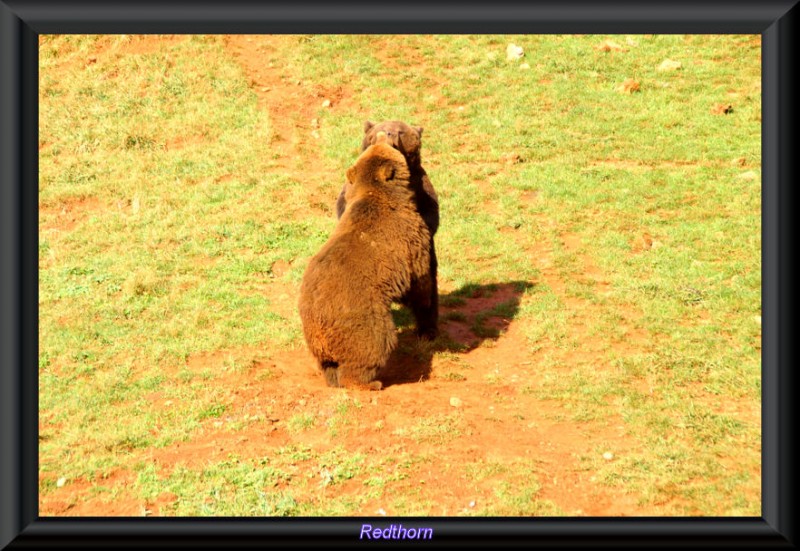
(373,251)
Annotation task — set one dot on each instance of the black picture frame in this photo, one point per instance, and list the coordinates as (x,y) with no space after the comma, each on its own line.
(22,21)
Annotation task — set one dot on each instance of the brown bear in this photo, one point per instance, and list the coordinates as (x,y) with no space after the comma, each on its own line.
(408,140)
(378,253)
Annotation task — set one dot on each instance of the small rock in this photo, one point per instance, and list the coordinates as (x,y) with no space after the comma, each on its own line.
(326,477)
(524,66)
(301,401)
(608,456)
(629,86)
(645,241)
(217,424)
(315,123)
(381,512)
(609,46)
(456,402)
(60,482)
(749,175)
(265,89)
(669,65)
(514,52)
(168,403)
(315,134)
(326,103)
(472,503)
(722,109)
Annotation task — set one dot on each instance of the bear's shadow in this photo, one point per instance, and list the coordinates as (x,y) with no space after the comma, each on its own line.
(468,317)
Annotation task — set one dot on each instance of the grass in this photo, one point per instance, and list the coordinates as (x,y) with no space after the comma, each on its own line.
(171,233)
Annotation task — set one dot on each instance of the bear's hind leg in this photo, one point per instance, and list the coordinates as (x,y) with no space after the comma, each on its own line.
(423,300)
(359,378)
(431,317)
(331,371)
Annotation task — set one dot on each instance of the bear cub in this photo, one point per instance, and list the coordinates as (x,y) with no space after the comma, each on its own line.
(378,253)
(408,141)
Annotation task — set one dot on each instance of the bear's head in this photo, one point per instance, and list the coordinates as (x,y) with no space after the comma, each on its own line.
(406,139)
(379,164)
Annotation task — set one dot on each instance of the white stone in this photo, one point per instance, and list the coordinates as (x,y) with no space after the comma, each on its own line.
(514,52)
(669,65)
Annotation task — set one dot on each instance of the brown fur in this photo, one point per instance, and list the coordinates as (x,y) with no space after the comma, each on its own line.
(377,254)
(408,140)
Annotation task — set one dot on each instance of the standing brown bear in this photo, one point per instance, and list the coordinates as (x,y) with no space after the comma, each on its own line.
(408,141)
(378,253)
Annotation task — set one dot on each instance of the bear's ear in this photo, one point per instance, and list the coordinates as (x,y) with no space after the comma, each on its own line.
(385,172)
(419,130)
(368,126)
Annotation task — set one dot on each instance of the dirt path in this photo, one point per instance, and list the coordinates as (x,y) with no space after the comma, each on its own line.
(292,103)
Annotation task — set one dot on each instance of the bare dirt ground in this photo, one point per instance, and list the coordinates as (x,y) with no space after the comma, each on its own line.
(499,418)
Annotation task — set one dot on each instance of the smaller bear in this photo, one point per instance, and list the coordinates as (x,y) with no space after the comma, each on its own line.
(407,140)
(378,253)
